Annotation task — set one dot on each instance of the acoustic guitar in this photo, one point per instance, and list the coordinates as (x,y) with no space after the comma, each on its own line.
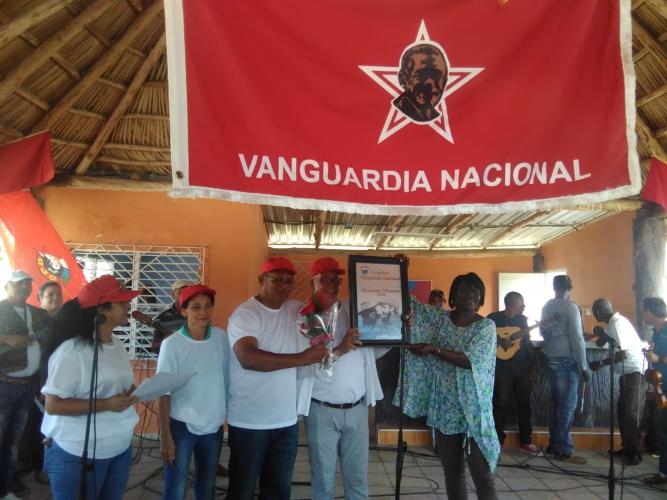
(161,330)
(514,333)
(653,376)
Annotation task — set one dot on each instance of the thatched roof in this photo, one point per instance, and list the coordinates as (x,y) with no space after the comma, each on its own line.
(95,73)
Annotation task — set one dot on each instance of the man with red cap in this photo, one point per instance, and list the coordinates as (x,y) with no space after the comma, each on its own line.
(336,407)
(261,412)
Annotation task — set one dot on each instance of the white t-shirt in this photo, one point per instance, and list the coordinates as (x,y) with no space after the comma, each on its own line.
(33,350)
(625,335)
(69,377)
(201,403)
(263,400)
(348,383)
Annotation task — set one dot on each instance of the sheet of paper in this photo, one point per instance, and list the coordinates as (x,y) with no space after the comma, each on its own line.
(161,384)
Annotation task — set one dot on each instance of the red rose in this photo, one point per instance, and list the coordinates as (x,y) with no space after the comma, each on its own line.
(308,308)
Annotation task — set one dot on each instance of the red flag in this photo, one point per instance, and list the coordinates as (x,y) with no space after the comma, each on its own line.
(33,244)
(387,106)
(26,163)
(655,188)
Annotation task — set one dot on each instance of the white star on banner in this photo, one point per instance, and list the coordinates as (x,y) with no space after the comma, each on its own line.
(387,78)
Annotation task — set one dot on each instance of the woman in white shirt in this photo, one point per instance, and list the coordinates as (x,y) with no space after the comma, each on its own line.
(191,418)
(67,389)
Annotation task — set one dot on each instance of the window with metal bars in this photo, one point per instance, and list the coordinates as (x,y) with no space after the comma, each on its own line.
(151,268)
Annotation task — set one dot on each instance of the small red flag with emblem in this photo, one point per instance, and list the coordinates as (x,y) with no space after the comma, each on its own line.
(34,245)
(26,163)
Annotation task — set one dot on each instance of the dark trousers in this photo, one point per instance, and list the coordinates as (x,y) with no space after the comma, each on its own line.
(662,432)
(451,451)
(510,386)
(628,412)
(15,402)
(267,454)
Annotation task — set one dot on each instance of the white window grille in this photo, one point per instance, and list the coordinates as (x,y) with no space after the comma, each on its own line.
(152,268)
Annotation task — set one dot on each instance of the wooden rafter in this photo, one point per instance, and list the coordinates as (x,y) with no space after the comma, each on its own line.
(112,183)
(319,227)
(66,66)
(27,20)
(660,6)
(99,67)
(650,43)
(136,5)
(30,64)
(457,222)
(33,99)
(654,145)
(11,132)
(652,96)
(389,227)
(514,227)
(139,78)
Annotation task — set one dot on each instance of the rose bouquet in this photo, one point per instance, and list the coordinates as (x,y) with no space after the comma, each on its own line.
(317,321)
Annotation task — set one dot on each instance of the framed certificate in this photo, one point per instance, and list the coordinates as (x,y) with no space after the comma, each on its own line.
(378,298)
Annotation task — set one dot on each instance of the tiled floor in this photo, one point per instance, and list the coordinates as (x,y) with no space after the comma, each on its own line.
(519,477)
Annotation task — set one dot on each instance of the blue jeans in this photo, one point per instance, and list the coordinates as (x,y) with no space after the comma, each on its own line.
(206,449)
(15,403)
(564,381)
(333,432)
(267,454)
(106,481)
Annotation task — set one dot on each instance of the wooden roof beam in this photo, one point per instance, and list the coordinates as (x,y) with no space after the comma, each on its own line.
(136,5)
(458,221)
(654,145)
(392,223)
(319,227)
(99,67)
(27,20)
(33,99)
(138,80)
(11,132)
(30,64)
(514,227)
(110,83)
(652,96)
(98,36)
(66,66)
(660,6)
(650,43)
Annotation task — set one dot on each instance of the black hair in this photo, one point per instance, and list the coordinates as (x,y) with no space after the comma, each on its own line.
(562,283)
(436,293)
(46,285)
(470,279)
(511,297)
(73,321)
(656,306)
(184,305)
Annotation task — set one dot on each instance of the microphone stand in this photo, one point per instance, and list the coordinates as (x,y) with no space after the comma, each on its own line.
(611,478)
(92,402)
(401,445)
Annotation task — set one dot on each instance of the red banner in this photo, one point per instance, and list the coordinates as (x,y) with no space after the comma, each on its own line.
(655,188)
(26,163)
(33,244)
(388,106)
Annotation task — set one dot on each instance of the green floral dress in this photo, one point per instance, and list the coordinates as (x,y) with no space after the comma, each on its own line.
(454,400)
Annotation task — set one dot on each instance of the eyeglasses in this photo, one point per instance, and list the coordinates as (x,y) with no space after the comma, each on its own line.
(280,281)
(330,281)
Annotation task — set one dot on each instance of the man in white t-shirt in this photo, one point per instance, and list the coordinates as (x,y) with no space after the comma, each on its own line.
(262,410)
(629,362)
(336,406)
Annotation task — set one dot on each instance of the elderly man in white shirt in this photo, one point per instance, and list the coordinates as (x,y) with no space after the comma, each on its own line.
(629,361)
(336,406)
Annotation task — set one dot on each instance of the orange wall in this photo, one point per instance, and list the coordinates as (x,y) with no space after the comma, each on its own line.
(441,272)
(599,259)
(233,233)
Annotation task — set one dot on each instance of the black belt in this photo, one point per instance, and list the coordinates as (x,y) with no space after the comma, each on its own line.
(338,406)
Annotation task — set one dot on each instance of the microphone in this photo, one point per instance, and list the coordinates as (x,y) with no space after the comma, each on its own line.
(601,335)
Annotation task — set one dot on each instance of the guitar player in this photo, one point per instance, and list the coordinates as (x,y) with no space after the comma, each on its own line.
(170,319)
(514,376)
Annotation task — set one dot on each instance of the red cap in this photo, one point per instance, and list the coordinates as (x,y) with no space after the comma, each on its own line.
(190,291)
(278,264)
(104,289)
(324,265)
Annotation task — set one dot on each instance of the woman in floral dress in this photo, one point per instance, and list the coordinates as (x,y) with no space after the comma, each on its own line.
(450,370)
